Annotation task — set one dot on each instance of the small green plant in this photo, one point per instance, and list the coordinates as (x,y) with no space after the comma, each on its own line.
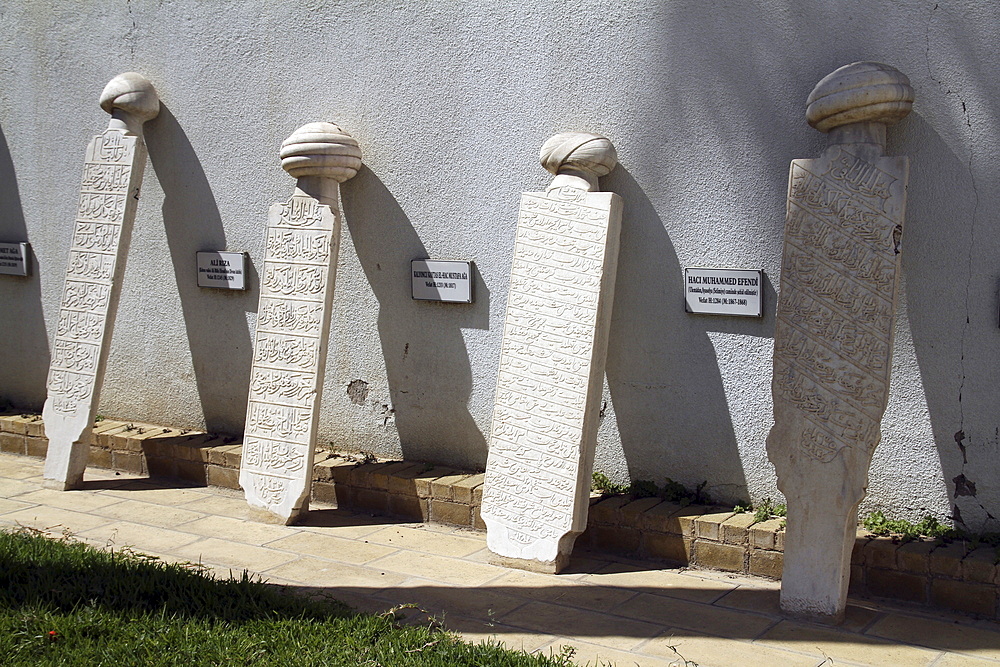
(603,485)
(644,488)
(98,419)
(878,524)
(766,509)
(685,497)
(672,491)
(928,527)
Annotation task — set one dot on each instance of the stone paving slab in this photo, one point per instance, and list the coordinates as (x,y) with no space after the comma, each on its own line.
(670,582)
(711,652)
(624,610)
(842,646)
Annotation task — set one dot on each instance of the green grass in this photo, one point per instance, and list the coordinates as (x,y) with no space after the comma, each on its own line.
(63,602)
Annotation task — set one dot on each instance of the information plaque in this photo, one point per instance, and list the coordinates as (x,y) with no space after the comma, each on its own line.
(15,259)
(440,280)
(222,270)
(724,292)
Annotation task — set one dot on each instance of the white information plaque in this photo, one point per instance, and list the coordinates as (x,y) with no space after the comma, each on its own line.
(15,259)
(724,291)
(441,280)
(222,270)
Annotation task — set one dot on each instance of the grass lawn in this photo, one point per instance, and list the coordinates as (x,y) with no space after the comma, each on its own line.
(63,602)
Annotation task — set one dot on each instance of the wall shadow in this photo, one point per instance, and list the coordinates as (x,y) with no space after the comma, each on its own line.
(215,320)
(426,360)
(546,610)
(662,369)
(24,355)
(957,370)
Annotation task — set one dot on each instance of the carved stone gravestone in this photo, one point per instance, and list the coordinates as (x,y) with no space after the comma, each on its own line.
(544,434)
(834,333)
(293,322)
(112,175)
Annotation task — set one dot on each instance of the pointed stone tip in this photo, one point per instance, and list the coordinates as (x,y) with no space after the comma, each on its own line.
(857,93)
(579,151)
(321,149)
(132,93)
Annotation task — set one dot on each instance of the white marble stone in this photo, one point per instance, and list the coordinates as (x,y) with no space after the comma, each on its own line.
(544,433)
(834,331)
(112,176)
(293,322)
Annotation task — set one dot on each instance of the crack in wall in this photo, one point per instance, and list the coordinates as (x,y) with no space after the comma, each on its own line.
(963,486)
(130,35)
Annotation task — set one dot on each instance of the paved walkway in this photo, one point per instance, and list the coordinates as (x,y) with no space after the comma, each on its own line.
(612,609)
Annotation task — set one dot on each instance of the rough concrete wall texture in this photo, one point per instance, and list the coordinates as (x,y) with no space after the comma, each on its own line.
(450,103)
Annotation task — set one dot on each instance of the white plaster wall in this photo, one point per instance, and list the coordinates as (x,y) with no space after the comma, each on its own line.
(450,102)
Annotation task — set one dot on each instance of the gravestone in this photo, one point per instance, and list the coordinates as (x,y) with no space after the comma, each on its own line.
(293,323)
(834,332)
(112,176)
(545,418)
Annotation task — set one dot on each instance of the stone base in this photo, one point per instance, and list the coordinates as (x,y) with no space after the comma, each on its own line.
(59,485)
(801,609)
(531,565)
(265,516)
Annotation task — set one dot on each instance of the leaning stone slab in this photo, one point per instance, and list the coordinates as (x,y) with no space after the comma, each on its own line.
(112,176)
(834,333)
(293,323)
(537,485)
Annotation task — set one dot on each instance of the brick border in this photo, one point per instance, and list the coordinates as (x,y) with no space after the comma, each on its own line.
(930,572)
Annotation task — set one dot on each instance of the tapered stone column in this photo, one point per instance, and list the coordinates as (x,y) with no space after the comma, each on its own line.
(112,176)
(545,419)
(834,333)
(293,323)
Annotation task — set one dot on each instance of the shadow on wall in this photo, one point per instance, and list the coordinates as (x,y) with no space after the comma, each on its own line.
(952,312)
(215,320)
(24,355)
(427,363)
(662,369)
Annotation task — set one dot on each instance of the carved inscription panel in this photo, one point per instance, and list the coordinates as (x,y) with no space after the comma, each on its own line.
(839,275)
(293,316)
(551,343)
(109,189)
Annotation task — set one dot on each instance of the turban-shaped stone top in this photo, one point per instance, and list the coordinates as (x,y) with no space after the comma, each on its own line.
(321,149)
(581,151)
(133,94)
(859,92)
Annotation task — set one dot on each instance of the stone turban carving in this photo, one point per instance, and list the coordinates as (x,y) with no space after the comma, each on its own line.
(132,93)
(859,92)
(580,151)
(321,149)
